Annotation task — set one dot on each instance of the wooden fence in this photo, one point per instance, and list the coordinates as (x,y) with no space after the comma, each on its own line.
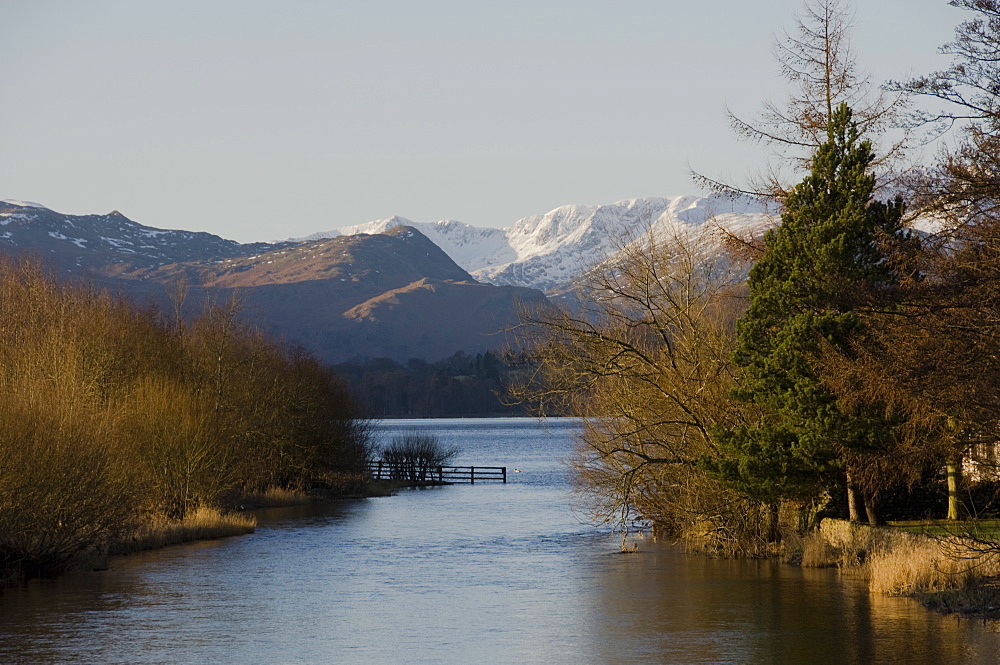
(416,473)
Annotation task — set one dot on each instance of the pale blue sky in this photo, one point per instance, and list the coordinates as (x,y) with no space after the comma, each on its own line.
(264,120)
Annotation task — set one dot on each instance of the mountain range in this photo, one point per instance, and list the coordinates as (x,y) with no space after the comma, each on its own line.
(388,288)
(393,294)
(548,251)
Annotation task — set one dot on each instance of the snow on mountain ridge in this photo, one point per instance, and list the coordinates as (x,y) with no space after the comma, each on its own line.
(23,204)
(548,250)
(540,251)
(471,247)
(554,248)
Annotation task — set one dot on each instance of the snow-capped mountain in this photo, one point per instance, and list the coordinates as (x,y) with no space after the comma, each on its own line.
(393,294)
(376,289)
(550,250)
(106,244)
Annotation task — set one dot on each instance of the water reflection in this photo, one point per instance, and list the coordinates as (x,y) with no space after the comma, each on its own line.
(484,574)
(676,608)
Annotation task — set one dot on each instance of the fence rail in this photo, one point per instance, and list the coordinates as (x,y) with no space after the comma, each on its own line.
(416,473)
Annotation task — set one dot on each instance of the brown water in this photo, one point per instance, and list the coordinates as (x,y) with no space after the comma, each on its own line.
(484,574)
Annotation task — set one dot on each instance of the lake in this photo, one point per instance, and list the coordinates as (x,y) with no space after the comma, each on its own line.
(487,573)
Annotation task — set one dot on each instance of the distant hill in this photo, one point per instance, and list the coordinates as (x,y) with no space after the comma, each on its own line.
(106,245)
(392,294)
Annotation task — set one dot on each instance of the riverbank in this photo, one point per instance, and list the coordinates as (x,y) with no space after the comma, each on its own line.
(466,574)
(981,600)
(234,517)
(203,523)
(237,519)
(945,571)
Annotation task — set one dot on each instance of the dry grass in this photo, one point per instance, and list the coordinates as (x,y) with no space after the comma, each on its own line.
(344,484)
(912,564)
(901,563)
(816,551)
(950,568)
(200,524)
(274,497)
(846,544)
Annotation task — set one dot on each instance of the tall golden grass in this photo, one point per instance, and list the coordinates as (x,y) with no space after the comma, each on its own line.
(912,564)
(897,562)
(203,523)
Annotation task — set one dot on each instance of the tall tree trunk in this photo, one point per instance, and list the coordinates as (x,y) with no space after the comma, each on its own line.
(872,509)
(773,524)
(954,471)
(854,500)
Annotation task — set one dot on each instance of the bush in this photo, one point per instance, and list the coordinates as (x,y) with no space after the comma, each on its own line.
(116,419)
(413,456)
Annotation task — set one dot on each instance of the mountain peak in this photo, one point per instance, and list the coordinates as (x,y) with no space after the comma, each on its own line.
(23,204)
(548,250)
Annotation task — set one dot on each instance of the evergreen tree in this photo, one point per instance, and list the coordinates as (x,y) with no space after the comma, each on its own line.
(825,263)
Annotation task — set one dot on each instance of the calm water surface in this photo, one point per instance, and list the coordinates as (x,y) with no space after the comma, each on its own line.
(489,573)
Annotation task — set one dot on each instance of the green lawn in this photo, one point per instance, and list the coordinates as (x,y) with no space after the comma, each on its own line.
(982,529)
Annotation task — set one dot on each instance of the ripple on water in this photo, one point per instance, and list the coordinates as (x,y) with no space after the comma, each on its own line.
(489,573)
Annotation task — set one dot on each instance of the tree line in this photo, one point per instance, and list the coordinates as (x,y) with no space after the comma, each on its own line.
(841,362)
(115,416)
(459,386)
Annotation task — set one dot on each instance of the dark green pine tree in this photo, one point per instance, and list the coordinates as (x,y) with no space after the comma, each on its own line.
(825,263)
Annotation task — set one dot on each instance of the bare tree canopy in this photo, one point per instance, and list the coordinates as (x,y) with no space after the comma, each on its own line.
(971,85)
(962,188)
(817,60)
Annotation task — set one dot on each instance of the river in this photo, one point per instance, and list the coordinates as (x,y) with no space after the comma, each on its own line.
(489,573)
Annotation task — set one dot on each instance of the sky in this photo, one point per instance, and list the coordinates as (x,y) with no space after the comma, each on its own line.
(263,120)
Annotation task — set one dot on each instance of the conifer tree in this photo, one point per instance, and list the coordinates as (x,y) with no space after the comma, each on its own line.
(825,263)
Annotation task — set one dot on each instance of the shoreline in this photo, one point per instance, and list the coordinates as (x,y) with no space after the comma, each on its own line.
(946,573)
(234,518)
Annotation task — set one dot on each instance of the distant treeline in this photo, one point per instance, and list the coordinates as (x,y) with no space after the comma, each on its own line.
(116,416)
(461,385)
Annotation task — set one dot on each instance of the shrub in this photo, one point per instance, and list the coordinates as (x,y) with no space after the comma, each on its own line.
(413,456)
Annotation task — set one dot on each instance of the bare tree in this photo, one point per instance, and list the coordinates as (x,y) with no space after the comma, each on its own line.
(645,359)
(818,62)
(954,379)
(962,188)
(970,85)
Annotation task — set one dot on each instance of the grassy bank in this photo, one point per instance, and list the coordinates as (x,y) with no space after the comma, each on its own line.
(155,530)
(947,566)
(200,524)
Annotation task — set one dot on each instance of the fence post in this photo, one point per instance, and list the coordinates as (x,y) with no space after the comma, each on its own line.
(440,475)
(472,475)
(504,474)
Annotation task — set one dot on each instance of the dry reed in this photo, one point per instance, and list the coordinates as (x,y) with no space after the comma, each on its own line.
(913,564)
(202,523)
(274,497)
(900,563)
(816,551)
